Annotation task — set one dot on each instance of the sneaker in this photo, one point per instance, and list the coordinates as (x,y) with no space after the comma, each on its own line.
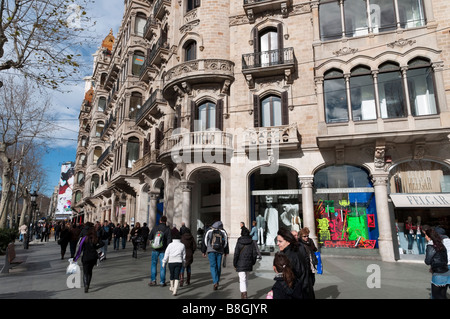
(152,283)
(163,284)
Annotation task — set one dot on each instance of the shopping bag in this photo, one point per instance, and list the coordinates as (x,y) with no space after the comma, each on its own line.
(73,267)
(319,263)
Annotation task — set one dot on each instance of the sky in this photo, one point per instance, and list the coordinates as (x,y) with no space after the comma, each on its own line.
(107,15)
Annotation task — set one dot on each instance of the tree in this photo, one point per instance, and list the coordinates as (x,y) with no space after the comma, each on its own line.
(24,123)
(37,37)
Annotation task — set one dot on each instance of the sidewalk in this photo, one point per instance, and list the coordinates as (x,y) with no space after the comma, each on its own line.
(42,275)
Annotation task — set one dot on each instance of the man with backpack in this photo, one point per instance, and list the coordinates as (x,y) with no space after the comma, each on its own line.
(159,238)
(215,244)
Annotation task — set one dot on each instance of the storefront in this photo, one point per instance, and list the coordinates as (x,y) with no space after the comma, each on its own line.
(344,208)
(420,194)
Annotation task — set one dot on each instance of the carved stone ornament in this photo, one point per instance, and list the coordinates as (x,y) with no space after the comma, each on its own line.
(401,43)
(379,159)
(345,51)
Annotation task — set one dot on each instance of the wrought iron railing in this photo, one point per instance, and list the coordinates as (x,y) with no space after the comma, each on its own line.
(267,58)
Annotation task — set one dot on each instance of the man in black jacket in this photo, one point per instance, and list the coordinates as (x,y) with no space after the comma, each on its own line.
(159,238)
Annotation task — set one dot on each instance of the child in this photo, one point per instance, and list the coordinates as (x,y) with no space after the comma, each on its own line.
(175,255)
(286,284)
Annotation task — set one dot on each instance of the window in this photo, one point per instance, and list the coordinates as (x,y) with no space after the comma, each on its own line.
(99,128)
(364,16)
(101,104)
(97,153)
(190,51)
(271,111)
(207,116)
(138,62)
(192,4)
(390,91)
(421,88)
(269,45)
(132,151)
(80,178)
(135,104)
(335,97)
(78,196)
(362,94)
(139,24)
(95,181)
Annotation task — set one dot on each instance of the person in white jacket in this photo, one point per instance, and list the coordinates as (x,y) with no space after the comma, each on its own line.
(175,256)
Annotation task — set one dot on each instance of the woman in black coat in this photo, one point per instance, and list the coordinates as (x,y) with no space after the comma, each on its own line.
(286,286)
(90,255)
(298,258)
(64,238)
(245,255)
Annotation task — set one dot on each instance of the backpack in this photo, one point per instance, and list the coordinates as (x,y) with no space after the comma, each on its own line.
(216,239)
(157,241)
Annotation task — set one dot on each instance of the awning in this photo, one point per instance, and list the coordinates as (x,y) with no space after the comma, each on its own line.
(421,200)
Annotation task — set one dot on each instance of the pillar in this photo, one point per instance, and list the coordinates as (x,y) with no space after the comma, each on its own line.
(306,181)
(385,242)
(186,188)
(152,212)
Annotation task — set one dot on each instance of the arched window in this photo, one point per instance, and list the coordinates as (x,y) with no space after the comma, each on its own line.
(95,181)
(190,50)
(78,196)
(97,153)
(135,104)
(390,91)
(207,116)
(271,111)
(139,24)
(99,128)
(132,151)
(80,178)
(101,104)
(362,94)
(335,97)
(421,87)
(138,62)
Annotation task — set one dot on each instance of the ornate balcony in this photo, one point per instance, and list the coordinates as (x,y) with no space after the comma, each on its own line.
(253,7)
(153,107)
(147,164)
(187,74)
(160,8)
(285,137)
(268,63)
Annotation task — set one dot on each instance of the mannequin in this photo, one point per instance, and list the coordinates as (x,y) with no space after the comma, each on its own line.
(409,233)
(260,226)
(271,217)
(420,236)
(290,216)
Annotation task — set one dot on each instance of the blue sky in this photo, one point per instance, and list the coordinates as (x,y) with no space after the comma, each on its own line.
(107,15)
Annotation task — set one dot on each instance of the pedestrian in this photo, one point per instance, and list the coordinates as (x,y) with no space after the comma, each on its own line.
(445,240)
(254,235)
(117,234)
(286,286)
(215,245)
(183,228)
(145,233)
(175,257)
(310,248)
(136,238)
(245,255)
(436,257)
(104,234)
(88,247)
(58,230)
(44,232)
(191,246)
(160,237)
(174,231)
(74,237)
(23,230)
(125,231)
(297,255)
(64,238)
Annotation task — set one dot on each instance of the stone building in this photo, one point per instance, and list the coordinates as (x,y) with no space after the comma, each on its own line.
(326,114)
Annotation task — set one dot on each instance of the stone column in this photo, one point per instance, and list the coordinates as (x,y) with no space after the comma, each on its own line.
(385,242)
(186,188)
(152,213)
(306,181)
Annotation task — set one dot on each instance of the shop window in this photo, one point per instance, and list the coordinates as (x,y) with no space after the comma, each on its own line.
(421,88)
(335,97)
(362,94)
(344,208)
(391,92)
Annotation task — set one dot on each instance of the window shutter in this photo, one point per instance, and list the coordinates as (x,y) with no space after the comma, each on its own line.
(197,3)
(159,135)
(256,49)
(284,108)
(194,115)
(256,107)
(219,115)
(280,42)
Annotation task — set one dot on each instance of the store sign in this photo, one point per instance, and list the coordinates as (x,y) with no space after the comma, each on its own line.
(421,200)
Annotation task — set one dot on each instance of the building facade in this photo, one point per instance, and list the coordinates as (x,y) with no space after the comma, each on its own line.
(326,114)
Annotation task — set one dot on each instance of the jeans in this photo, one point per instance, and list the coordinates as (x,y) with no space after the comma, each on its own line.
(175,269)
(124,241)
(215,265)
(116,243)
(104,248)
(421,244)
(156,255)
(410,241)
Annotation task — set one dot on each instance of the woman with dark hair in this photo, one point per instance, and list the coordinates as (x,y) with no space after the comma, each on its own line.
(88,246)
(286,286)
(436,257)
(297,255)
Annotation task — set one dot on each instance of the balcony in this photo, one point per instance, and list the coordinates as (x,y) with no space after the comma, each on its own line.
(201,146)
(147,164)
(159,52)
(160,8)
(106,158)
(204,71)
(148,72)
(109,127)
(153,107)
(268,63)
(150,28)
(285,137)
(253,7)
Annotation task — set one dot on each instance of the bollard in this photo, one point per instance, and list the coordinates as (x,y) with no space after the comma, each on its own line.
(5,269)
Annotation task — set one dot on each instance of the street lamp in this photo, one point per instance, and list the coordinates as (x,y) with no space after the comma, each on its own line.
(33,197)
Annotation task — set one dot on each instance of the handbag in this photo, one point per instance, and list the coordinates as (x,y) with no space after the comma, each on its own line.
(73,267)
(319,263)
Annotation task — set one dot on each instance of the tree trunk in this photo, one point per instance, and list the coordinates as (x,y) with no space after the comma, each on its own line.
(6,185)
